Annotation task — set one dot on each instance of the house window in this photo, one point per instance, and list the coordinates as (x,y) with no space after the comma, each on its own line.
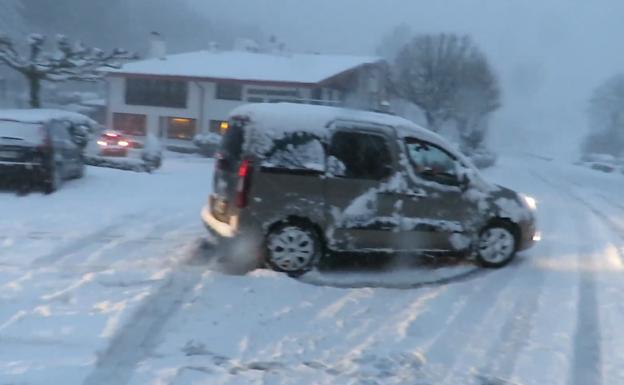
(179,128)
(317,94)
(219,126)
(156,93)
(226,91)
(130,124)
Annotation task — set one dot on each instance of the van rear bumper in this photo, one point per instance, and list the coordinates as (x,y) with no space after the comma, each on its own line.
(216,227)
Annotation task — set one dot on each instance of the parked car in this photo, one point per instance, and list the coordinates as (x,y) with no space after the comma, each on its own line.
(602,162)
(295,181)
(112,143)
(42,147)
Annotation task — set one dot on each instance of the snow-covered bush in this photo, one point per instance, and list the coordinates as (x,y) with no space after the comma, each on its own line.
(152,152)
(207,143)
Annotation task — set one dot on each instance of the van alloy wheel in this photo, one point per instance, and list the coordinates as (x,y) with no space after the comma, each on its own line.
(496,247)
(292,249)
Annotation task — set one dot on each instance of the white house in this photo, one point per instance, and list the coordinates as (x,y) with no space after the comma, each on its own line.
(178,96)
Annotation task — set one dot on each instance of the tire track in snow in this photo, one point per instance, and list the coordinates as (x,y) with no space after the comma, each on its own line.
(600,195)
(617,229)
(586,368)
(462,276)
(109,237)
(515,332)
(84,242)
(449,347)
(141,334)
(587,364)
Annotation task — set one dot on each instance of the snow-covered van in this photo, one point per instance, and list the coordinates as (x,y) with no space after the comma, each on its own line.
(42,147)
(295,181)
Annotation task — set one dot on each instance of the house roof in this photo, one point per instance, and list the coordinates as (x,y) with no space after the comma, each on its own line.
(247,66)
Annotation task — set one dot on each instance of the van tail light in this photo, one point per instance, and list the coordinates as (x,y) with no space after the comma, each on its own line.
(244,184)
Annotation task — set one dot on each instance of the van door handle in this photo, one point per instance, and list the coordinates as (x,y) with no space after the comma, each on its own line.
(412,194)
(417,194)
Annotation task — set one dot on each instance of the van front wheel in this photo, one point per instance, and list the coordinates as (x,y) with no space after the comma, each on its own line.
(497,246)
(293,249)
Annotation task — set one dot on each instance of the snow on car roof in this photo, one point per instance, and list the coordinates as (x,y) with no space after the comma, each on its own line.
(249,66)
(44,115)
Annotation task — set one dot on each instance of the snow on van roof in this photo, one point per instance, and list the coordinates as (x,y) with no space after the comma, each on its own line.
(248,66)
(289,117)
(44,115)
(276,119)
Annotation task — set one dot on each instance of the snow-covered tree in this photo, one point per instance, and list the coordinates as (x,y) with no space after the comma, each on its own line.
(449,78)
(393,42)
(68,61)
(606,118)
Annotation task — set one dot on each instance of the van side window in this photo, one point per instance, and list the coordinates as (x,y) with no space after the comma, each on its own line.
(364,156)
(432,162)
(296,151)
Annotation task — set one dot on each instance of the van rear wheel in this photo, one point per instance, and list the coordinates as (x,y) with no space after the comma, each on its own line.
(293,248)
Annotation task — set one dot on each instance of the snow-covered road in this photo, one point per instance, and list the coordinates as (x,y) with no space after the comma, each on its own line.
(106,283)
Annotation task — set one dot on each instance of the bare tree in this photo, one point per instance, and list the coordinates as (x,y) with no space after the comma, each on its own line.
(606,118)
(476,97)
(392,43)
(70,61)
(449,78)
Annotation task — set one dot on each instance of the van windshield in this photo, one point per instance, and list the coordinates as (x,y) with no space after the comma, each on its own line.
(232,143)
(28,132)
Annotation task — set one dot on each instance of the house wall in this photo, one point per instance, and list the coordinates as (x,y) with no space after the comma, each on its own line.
(203,106)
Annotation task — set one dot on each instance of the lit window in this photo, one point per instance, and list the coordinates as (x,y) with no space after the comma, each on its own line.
(180,128)
(219,126)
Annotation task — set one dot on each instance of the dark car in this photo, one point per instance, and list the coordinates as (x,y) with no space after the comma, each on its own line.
(41,148)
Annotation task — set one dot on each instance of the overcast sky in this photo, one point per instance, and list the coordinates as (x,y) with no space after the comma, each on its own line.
(549,54)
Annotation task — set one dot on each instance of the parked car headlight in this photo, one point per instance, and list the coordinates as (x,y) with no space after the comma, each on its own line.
(529,201)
